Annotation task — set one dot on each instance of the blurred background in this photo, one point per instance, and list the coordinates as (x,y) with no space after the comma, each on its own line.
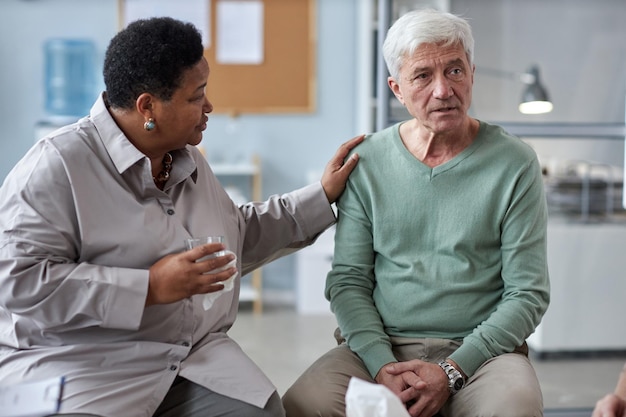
(578,46)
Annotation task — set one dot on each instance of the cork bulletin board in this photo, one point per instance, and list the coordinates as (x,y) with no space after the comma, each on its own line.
(285,80)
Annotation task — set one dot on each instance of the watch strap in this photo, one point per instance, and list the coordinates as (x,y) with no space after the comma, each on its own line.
(455,379)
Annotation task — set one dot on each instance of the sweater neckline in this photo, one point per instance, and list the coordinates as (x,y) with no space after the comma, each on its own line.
(446,165)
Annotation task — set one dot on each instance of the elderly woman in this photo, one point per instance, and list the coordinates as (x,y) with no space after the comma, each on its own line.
(95,284)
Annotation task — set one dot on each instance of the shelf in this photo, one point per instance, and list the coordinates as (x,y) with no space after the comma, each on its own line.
(235,169)
(248,293)
(252,171)
(566,130)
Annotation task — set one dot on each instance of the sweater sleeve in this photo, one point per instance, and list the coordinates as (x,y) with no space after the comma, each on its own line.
(350,284)
(524,272)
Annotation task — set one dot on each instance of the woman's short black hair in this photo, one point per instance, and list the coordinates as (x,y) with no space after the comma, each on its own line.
(149,55)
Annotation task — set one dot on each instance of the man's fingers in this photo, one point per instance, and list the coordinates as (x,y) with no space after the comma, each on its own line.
(401,367)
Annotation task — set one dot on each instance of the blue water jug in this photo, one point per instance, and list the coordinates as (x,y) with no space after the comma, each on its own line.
(69,77)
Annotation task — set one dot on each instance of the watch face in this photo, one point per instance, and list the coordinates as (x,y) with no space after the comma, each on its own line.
(458,384)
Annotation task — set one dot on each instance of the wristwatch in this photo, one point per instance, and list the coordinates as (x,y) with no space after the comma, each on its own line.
(455,380)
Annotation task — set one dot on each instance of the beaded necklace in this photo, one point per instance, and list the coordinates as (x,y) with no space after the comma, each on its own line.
(164,175)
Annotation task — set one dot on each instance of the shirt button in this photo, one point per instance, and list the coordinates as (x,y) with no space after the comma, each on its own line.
(170,212)
(173,368)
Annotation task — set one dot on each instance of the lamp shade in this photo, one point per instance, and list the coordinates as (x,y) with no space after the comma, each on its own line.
(535,98)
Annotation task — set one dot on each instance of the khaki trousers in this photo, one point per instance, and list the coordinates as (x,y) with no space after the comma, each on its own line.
(504,386)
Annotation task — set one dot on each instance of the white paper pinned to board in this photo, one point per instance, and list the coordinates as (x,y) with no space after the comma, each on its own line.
(239,32)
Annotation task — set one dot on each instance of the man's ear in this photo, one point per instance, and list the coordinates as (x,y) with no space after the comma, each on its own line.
(395,89)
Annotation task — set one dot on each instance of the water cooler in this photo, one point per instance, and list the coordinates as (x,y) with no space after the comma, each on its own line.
(70,84)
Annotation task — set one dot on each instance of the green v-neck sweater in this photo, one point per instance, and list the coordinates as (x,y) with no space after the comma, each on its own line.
(454,252)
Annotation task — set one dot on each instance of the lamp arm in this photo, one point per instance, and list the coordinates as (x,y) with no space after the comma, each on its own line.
(524,77)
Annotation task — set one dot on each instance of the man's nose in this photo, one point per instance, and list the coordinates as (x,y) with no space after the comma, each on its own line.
(442,88)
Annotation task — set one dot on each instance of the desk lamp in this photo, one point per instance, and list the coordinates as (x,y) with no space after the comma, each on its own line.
(535,97)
